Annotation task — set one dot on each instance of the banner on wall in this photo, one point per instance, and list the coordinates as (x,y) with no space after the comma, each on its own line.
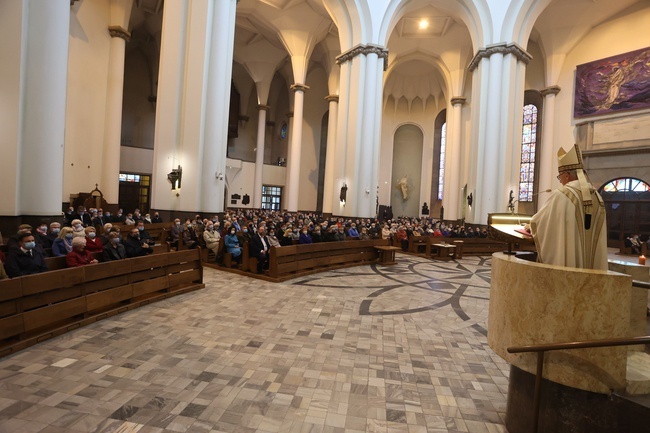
(614,84)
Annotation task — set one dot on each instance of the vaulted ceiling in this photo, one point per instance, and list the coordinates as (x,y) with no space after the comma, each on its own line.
(427,42)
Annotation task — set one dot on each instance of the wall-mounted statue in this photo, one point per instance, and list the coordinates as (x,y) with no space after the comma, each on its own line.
(403,186)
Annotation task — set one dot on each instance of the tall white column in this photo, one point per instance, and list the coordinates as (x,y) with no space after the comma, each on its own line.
(295,148)
(43,99)
(358,139)
(451,188)
(499,71)
(259,156)
(113,125)
(221,40)
(330,159)
(547,153)
(170,100)
(370,141)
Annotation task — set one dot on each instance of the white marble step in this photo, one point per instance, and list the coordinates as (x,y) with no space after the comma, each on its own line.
(638,373)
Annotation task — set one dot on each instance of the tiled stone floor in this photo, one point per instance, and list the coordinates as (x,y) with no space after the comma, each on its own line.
(365,349)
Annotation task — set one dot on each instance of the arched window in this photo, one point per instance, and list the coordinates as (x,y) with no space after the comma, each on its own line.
(441,171)
(627,204)
(528,148)
(628,186)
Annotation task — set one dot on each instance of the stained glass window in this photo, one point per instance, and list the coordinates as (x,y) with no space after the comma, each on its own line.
(528,147)
(626,184)
(441,172)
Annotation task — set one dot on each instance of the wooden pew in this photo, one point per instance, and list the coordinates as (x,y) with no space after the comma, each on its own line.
(295,260)
(417,243)
(159,231)
(37,307)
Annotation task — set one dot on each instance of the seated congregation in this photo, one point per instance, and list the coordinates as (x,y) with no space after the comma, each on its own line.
(85,238)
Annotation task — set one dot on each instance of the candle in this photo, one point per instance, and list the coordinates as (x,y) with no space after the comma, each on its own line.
(642,260)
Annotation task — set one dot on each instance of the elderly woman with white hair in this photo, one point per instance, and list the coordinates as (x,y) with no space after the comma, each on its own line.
(78,229)
(79,256)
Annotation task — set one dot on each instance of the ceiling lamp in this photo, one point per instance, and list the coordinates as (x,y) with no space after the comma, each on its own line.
(424,24)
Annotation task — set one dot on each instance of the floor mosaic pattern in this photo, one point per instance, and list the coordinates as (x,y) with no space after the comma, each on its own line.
(364,349)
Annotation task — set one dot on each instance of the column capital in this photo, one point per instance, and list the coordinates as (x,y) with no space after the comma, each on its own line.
(332,98)
(360,49)
(299,87)
(119,32)
(551,90)
(263,107)
(501,48)
(458,100)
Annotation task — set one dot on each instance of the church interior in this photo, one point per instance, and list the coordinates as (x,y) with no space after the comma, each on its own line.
(447,110)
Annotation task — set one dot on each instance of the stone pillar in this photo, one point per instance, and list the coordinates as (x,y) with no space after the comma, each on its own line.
(110,185)
(259,156)
(295,148)
(168,127)
(328,187)
(220,46)
(547,152)
(500,69)
(451,189)
(42,94)
(359,125)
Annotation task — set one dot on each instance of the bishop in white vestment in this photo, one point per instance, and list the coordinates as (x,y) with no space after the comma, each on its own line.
(570,229)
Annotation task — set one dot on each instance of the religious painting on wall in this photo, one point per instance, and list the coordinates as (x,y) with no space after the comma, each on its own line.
(617,83)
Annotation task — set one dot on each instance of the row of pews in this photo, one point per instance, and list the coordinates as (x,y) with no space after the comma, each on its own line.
(34,308)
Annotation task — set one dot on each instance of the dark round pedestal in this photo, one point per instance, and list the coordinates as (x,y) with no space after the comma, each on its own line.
(569,410)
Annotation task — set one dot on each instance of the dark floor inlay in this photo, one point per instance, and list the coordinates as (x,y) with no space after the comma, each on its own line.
(395,415)
(125,412)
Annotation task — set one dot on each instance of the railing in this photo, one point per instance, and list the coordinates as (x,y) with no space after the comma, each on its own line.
(543,348)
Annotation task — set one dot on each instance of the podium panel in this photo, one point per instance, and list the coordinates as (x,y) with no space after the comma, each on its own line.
(533,303)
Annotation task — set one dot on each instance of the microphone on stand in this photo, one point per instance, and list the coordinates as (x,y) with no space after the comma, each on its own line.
(511,206)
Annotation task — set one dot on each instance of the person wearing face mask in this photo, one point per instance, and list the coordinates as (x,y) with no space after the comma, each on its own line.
(231,242)
(247,234)
(134,247)
(295,235)
(353,233)
(119,217)
(25,258)
(156,218)
(129,221)
(144,235)
(273,239)
(79,256)
(339,235)
(305,237)
(83,216)
(259,247)
(63,244)
(316,235)
(53,233)
(78,229)
(41,236)
(175,232)
(94,243)
(114,250)
(212,238)
(190,237)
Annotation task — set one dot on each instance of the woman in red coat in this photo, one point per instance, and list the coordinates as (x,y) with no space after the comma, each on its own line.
(93,242)
(79,256)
